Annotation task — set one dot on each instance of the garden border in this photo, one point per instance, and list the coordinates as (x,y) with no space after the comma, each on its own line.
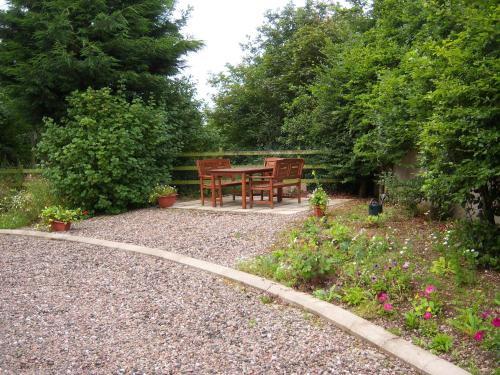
(420,359)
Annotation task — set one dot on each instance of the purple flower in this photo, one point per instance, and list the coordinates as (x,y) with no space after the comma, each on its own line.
(406,265)
(496,322)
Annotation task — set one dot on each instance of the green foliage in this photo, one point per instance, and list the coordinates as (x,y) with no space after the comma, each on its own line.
(483,238)
(441,343)
(59,213)
(478,326)
(440,267)
(108,152)
(319,198)
(161,191)
(328,295)
(369,86)
(412,320)
(51,48)
(22,206)
(460,140)
(406,193)
(354,296)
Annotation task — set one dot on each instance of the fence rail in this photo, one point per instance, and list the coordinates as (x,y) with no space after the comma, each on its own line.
(191,168)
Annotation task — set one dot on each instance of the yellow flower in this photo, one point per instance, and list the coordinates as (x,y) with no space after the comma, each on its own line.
(428,309)
(417,296)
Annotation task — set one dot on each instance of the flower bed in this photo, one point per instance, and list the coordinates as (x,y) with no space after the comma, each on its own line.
(408,275)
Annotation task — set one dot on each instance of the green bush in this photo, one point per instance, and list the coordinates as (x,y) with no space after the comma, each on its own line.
(108,152)
(483,238)
(406,193)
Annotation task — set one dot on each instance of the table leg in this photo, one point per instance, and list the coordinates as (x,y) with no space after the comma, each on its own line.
(214,202)
(243,190)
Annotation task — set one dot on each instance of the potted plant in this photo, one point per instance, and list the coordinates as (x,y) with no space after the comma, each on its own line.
(165,195)
(318,201)
(60,218)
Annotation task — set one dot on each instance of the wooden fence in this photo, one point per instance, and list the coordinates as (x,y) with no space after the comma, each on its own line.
(189,167)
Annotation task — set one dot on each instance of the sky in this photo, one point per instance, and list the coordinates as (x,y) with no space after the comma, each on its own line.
(222,25)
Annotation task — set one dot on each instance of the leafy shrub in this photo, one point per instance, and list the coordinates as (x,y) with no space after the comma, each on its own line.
(483,238)
(442,343)
(406,193)
(108,152)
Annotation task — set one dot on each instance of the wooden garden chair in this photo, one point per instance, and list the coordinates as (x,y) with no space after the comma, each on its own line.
(209,182)
(286,172)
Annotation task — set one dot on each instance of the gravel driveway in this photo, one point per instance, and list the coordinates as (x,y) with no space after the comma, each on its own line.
(223,238)
(75,308)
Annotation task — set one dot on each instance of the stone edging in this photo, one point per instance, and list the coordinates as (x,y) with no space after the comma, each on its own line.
(422,360)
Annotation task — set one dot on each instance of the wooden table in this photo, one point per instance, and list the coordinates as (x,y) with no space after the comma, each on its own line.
(244,172)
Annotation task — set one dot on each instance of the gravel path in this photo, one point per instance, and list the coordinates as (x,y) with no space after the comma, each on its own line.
(75,308)
(223,238)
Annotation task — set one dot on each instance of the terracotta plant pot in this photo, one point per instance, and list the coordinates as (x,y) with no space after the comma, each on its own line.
(59,226)
(318,211)
(167,200)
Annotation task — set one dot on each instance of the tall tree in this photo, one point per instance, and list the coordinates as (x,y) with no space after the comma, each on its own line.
(250,106)
(50,48)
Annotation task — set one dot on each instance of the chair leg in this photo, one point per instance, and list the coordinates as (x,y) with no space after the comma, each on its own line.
(298,190)
(202,193)
(214,193)
(271,198)
(250,189)
(220,192)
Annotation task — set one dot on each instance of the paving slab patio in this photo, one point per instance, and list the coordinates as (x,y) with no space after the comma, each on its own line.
(289,206)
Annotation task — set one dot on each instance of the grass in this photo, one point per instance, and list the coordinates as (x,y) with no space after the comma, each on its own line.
(381,268)
(21,203)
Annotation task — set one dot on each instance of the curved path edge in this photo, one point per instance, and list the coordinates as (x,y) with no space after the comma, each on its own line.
(420,359)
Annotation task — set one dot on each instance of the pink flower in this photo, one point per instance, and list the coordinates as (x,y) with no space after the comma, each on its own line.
(382,297)
(485,314)
(496,322)
(387,307)
(429,290)
(406,265)
(427,315)
(479,336)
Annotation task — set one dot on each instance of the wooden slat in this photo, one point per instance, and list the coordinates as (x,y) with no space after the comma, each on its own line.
(252,153)
(306,181)
(193,167)
(24,171)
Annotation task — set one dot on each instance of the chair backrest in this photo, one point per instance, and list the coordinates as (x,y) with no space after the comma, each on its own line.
(206,165)
(296,167)
(281,169)
(269,162)
(289,168)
